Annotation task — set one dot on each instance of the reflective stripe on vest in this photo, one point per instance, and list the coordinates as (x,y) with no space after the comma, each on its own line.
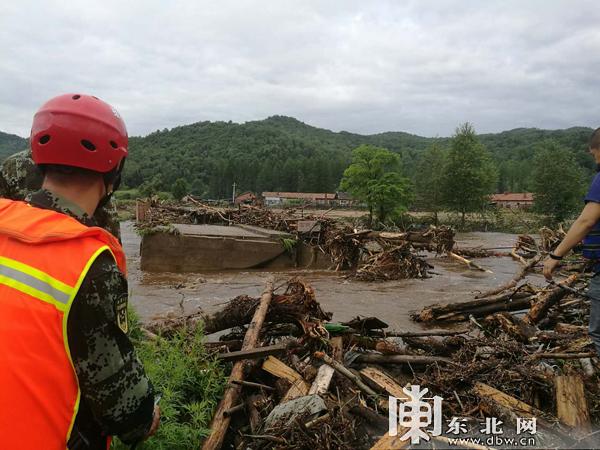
(34,282)
(44,258)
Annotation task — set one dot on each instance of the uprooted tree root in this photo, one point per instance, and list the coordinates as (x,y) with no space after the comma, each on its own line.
(394,264)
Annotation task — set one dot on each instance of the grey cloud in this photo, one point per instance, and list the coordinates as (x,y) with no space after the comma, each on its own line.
(418,66)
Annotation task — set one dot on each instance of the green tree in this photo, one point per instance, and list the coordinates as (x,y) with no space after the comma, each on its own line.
(429,180)
(557,181)
(152,186)
(470,174)
(374,178)
(180,188)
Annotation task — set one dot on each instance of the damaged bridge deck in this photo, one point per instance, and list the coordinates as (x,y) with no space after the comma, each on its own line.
(195,248)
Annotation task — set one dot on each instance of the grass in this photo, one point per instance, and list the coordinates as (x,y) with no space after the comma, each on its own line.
(191,383)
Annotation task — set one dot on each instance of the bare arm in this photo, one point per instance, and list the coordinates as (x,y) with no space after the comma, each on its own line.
(580,228)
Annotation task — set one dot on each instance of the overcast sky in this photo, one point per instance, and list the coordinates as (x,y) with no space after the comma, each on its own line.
(361,66)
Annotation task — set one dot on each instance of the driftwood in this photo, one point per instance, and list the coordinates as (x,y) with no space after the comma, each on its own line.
(445,312)
(254,417)
(468,262)
(512,283)
(220,422)
(571,404)
(322,380)
(380,345)
(540,307)
(337,347)
(421,333)
(260,352)
(382,382)
(299,386)
(512,325)
(476,308)
(429,344)
(400,359)
(388,442)
(497,402)
(253,385)
(563,355)
(339,367)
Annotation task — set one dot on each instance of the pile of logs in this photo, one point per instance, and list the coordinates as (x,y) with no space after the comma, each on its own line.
(531,350)
(300,381)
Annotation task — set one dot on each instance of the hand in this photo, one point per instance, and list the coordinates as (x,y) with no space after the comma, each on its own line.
(155,422)
(550,266)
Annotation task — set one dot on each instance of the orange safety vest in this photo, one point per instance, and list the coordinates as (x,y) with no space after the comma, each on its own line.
(44,257)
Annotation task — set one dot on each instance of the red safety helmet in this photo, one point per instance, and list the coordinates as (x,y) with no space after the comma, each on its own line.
(79,131)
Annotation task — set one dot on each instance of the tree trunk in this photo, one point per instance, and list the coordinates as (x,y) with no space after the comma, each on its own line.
(220,422)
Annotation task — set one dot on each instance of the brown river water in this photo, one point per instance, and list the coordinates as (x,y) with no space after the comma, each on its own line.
(157,295)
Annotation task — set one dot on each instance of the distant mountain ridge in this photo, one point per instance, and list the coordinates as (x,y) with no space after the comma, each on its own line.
(11,143)
(281,153)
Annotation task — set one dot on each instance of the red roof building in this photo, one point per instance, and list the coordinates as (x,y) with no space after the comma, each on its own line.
(246,198)
(513,199)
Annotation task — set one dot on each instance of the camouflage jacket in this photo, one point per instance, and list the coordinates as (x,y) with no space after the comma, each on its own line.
(19,177)
(116,396)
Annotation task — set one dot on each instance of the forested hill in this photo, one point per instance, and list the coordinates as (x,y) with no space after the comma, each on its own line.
(279,153)
(283,154)
(10,143)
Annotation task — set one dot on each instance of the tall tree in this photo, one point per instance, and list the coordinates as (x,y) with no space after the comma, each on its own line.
(429,180)
(180,188)
(374,178)
(557,181)
(470,174)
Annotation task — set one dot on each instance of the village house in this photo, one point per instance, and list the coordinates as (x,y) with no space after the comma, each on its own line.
(339,199)
(521,200)
(246,198)
(281,198)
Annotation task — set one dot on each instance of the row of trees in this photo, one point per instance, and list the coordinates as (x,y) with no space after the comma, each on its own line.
(284,154)
(460,178)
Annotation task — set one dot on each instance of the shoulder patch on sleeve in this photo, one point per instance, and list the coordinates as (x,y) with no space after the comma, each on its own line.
(121,313)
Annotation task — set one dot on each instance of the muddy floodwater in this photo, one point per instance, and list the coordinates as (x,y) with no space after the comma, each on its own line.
(161,294)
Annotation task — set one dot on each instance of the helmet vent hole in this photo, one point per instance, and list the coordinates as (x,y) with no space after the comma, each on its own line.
(113,144)
(76,97)
(88,145)
(44,139)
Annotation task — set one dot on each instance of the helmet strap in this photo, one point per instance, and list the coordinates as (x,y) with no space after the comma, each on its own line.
(113,177)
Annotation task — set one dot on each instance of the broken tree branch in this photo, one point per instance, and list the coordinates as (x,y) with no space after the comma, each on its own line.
(220,422)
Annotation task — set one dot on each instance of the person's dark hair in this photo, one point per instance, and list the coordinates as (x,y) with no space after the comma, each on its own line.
(67,174)
(595,139)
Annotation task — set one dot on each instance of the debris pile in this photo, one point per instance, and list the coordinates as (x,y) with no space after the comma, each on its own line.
(301,381)
(398,262)
(370,255)
(528,351)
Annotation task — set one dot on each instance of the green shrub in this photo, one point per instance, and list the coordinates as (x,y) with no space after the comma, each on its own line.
(191,383)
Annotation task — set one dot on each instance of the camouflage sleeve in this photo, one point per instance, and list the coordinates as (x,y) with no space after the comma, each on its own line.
(4,187)
(21,175)
(107,218)
(113,384)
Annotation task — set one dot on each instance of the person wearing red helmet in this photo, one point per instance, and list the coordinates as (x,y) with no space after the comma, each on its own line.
(69,370)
